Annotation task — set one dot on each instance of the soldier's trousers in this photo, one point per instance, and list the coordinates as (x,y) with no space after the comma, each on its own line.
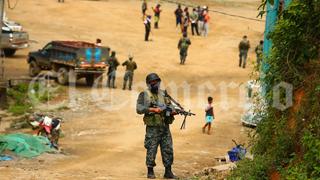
(111,79)
(155,136)
(128,76)
(243,58)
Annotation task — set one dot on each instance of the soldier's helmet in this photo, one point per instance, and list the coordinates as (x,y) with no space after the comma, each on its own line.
(130,56)
(152,77)
(113,53)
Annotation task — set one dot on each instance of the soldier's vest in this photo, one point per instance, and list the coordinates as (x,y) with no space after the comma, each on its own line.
(153,119)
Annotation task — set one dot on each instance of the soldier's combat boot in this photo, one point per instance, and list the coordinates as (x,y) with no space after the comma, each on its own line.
(150,174)
(168,174)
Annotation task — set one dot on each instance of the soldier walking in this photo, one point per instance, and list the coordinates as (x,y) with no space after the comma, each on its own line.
(259,53)
(244,47)
(131,66)
(157,126)
(113,64)
(183,46)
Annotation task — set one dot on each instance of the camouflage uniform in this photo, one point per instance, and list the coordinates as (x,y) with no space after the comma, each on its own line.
(259,53)
(157,128)
(183,46)
(130,67)
(244,46)
(113,64)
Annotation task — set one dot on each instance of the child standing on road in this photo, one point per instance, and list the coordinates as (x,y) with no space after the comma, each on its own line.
(209,115)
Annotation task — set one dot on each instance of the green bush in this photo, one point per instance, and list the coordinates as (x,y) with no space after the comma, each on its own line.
(288,142)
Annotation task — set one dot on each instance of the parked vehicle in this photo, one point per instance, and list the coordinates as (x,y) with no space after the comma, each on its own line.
(70,60)
(13,38)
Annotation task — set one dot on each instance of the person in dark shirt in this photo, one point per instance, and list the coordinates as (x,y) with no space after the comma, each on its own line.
(178,13)
(209,115)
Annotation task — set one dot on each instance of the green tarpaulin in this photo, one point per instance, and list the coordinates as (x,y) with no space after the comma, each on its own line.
(25,145)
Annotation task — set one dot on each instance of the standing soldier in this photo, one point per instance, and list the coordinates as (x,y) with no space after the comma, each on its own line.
(130,67)
(259,53)
(147,24)
(157,12)
(183,46)
(144,8)
(113,64)
(157,126)
(244,47)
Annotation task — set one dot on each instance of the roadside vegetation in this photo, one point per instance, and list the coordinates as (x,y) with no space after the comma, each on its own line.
(287,143)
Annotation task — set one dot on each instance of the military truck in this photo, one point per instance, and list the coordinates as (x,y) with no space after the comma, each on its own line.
(70,60)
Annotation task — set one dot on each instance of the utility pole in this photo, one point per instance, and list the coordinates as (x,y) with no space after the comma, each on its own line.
(3,84)
(1,50)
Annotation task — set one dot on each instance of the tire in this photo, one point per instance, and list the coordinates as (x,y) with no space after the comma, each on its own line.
(90,79)
(34,69)
(9,52)
(63,76)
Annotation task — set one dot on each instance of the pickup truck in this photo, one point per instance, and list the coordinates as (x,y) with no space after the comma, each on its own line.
(13,38)
(70,60)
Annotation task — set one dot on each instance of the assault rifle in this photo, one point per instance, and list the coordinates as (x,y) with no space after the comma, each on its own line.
(179,109)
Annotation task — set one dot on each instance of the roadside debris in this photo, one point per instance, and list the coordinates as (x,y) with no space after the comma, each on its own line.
(25,145)
(46,126)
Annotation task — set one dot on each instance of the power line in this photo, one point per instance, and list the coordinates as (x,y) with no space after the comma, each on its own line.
(216,11)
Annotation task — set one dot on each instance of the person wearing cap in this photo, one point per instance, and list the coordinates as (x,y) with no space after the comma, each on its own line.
(244,47)
(131,66)
(147,24)
(183,46)
(113,63)
(157,123)
(157,12)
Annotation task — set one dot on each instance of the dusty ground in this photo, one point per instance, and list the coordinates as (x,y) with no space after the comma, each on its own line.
(106,143)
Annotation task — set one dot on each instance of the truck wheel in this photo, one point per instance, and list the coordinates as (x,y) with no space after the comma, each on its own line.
(34,69)
(90,79)
(9,52)
(62,76)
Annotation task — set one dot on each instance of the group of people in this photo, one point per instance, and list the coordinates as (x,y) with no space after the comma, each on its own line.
(113,64)
(244,47)
(199,20)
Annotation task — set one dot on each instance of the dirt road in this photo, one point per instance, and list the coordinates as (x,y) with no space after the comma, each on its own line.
(103,135)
